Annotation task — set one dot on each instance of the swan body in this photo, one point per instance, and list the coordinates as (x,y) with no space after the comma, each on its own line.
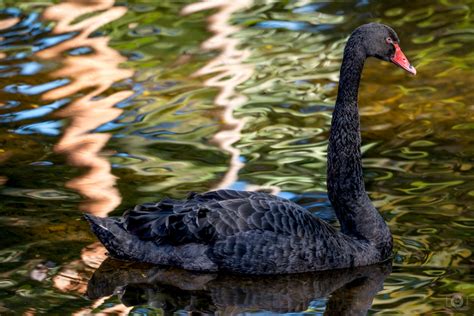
(231,230)
(259,233)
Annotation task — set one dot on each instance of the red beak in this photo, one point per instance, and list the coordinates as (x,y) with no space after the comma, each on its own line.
(400,60)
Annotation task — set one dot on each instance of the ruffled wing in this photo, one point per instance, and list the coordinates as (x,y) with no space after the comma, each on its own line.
(204,218)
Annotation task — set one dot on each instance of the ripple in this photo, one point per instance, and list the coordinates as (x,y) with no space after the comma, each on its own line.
(7,283)
(9,255)
(41,194)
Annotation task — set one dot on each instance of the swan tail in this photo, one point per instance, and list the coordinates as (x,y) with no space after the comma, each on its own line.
(123,245)
(112,235)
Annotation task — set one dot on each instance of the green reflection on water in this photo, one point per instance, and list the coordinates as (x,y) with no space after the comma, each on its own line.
(416,131)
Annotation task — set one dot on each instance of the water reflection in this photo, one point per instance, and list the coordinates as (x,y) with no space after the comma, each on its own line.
(74,276)
(229,70)
(417,133)
(5,24)
(350,291)
(92,68)
(92,73)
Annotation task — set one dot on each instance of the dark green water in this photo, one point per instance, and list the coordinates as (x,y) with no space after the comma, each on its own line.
(105,105)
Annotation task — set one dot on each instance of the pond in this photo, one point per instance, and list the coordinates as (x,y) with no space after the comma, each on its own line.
(104,105)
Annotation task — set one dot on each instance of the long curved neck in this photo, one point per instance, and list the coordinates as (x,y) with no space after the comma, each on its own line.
(345,182)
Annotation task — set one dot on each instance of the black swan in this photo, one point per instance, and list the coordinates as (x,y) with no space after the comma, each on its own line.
(259,233)
(351,291)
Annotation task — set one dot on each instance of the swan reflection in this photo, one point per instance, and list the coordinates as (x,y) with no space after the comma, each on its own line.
(351,291)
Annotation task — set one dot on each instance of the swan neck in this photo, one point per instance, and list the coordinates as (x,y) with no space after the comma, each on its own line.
(356,213)
(345,179)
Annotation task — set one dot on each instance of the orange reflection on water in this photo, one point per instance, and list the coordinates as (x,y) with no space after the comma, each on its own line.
(94,73)
(230,70)
(4,24)
(74,276)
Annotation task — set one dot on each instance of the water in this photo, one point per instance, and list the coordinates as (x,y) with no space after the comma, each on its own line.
(105,105)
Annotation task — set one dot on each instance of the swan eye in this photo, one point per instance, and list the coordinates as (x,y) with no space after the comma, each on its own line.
(389,40)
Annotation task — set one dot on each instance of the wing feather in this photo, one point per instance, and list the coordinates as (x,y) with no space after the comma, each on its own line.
(207,217)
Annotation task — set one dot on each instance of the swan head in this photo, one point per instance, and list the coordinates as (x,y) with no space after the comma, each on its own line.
(381,41)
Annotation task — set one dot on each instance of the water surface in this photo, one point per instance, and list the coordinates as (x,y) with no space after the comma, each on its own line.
(107,104)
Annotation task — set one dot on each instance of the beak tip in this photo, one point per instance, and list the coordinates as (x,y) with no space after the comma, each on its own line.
(412,70)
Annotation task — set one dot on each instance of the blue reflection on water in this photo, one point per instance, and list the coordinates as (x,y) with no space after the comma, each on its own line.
(31,28)
(44,163)
(286,195)
(30,68)
(293,26)
(32,113)
(34,90)
(52,40)
(83,50)
(48,128)
(10,104)
(319,304)
(238,185)
(109,126)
